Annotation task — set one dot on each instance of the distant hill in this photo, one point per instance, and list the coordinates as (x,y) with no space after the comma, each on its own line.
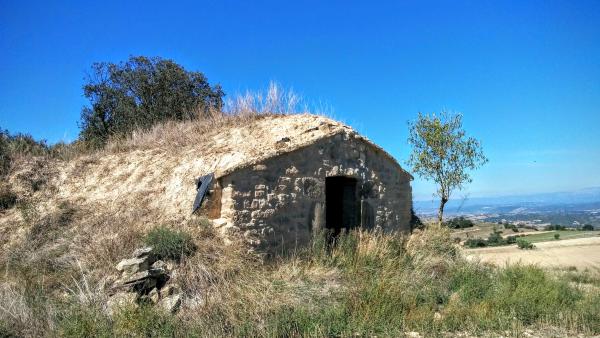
(584,198)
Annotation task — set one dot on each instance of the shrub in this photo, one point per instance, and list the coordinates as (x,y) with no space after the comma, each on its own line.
(170,244)
(524,244)
(587,227)
(15,145)
(476,243)
(529,293)
(495,238)
(554,227)
(471,281)
(144,321)
(556,236)
(84,321)
(511,239)
(6,331)
(7,197)
(459,223)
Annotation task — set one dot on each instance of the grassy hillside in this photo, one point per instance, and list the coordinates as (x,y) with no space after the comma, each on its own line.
(67,223)
(369,284)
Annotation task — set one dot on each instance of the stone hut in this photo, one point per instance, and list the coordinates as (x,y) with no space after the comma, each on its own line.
(276,180)
(309,173)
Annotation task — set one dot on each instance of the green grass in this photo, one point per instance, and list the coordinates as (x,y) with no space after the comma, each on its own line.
(382,285)
(564,234)
(171,244)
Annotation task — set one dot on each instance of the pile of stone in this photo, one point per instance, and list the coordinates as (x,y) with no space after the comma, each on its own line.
(145,279)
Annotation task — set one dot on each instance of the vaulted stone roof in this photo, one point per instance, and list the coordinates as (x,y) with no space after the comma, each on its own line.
(155,171)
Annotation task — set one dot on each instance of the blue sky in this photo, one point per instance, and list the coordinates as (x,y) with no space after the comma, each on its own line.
(525,74)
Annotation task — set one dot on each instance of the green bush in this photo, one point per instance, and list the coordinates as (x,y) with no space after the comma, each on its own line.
(511,226)
(145,321)
(459,223)
(471,282)
(495,239)
(6,331)
(556,236)
(524,244)
(554,227)
(475,243)
(170,244)
(84,321)
(529,294)
(587,227)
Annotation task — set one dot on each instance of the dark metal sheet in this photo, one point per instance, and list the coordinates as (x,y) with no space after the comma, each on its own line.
(202,187)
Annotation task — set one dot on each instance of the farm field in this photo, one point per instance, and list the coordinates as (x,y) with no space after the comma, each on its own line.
(483,230)
(581,253)
(564,234)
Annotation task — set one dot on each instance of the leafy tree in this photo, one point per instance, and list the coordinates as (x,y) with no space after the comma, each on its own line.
(139,93)
(588,227)
(442,152)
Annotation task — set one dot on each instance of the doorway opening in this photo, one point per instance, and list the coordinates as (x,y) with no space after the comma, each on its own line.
(341,204)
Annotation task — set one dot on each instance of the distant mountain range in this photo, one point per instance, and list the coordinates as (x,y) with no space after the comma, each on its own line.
(584,198)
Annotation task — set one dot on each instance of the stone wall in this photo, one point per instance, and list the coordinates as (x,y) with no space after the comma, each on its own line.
(280,203)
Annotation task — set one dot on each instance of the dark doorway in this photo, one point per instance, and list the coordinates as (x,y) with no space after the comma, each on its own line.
(341,204)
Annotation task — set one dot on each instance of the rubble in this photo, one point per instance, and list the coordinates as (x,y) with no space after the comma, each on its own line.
(145,279)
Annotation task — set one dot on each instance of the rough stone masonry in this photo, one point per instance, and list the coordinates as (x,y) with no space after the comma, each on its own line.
(279,203)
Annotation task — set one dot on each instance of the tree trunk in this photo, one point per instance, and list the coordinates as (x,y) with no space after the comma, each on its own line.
(441,211)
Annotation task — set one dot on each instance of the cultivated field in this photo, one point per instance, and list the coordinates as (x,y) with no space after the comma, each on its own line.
(483,230)
(582,253)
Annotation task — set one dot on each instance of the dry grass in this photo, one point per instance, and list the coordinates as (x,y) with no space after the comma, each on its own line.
(173,134)
(241,110)
(369,284)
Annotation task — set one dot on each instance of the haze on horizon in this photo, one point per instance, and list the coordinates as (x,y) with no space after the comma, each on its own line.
(526,76)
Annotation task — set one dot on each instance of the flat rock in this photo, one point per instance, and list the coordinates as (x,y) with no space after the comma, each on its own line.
(133,265)
(171,303)
(159,265)
(153,296)
(219,222)
(142,252)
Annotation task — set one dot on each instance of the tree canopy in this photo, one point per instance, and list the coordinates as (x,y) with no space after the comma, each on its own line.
(442,152)
(140,92)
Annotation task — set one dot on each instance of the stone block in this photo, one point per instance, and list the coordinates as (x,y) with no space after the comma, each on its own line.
(291,171)
(134,265)
(283,198)
(219,222)
(171,303)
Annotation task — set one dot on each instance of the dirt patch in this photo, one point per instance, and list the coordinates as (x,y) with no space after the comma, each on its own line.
(581,253)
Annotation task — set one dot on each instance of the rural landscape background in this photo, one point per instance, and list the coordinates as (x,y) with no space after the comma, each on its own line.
(117,97)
